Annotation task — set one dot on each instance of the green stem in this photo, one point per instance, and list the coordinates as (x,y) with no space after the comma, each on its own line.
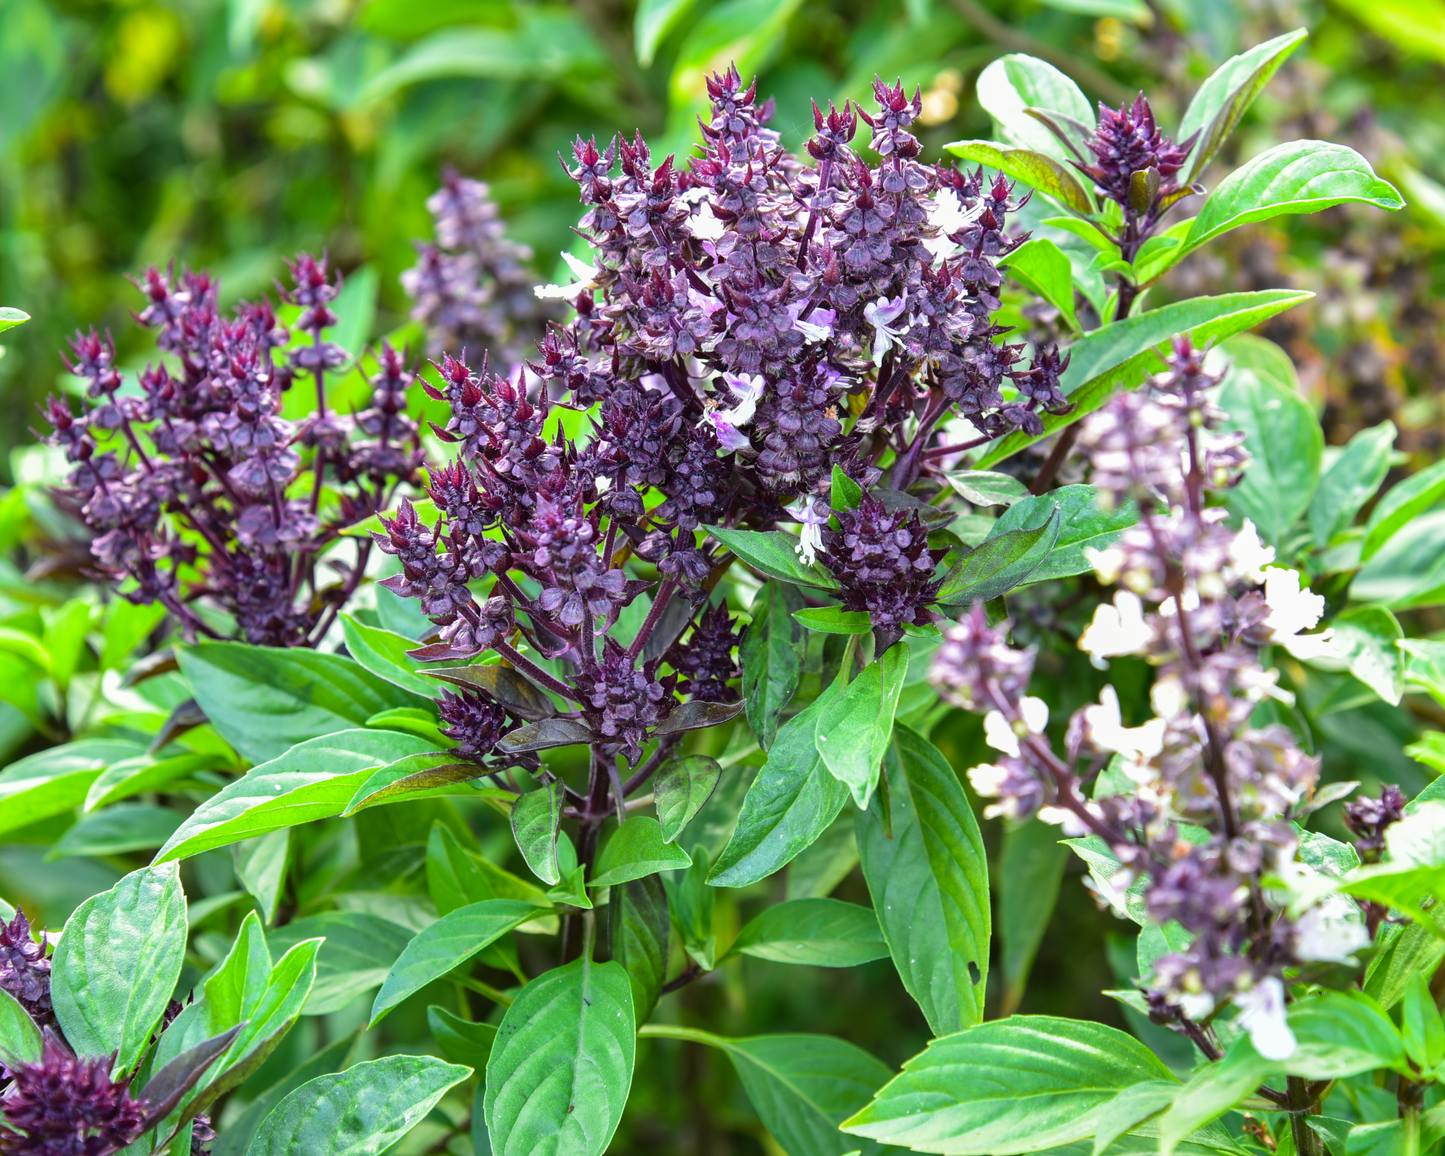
(486,989)
(678,1032)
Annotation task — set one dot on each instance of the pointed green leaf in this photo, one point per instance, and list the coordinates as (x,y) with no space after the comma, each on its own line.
(1399,505)
(384,654)
(461,1041)
(1012,84)
(835,620)
(1350,482)
(771,653)
(637,849)
(145,772)
(118,830)
(1041,266)
(20,1039)
(928,874)
(637,932)
(774,553)
(357,955)
(1365,638)
(536,817)
(1031,870)
(855,727)
(987,488)
(1286,444)
(846,493)
(1083,525)
(56,780)
(1003,560)
(682,786)
(819,932)
(561,1068)
(1038,170)
(260,865)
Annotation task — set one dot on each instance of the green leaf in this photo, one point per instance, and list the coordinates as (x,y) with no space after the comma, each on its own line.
(143,773)
(1083,525)
(457,876)
(1058,1076)
(541,736)
(791,802)
(448,943)
(773,553)
(10,318)
(1003,560)
(654,20)
(1211,1091)
(313,780)
(1341,1035)
(117,963)
(1286,445)
(461,1041)
(1302,176)
(1161,252)
(854,728)
(1404,950)
(772,653)
(637,933)
(1400,504)
(536,817)
(682,786)
(260,865)
(362,1111)
(265,701)
(430,774)
(1423,1029)
(1350,482)
(1227,94)
(819,932)
(835,620)
(1119,355)
(1041,266)
(987,488)
(561,1068)
(20,1039)
(690,903)
(118,830)
(56,780)
(1130,1108)
(1012,84)
(846,493)
(637,849)
(358,952)
(1365,638)
(927,871)
(801,1086)
(1035,169)
(1028,887)
(384,654)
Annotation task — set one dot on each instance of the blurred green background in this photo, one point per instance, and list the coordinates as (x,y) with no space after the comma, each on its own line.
(231,133)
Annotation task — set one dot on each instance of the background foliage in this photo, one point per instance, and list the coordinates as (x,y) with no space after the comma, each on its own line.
(232,134)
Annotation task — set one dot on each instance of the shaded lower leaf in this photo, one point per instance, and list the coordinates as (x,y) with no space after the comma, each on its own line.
(541,736)
(1083,525)
(774,553)
(429,775)
(535,820)
(358,953)
(771,654)
(637,931)
(820,932)
(118,830)
(682,786)
(504,684)
(461,1041)
(362,1111)
(1003,560)
(561,1067)
(20,1039)
(1030,873)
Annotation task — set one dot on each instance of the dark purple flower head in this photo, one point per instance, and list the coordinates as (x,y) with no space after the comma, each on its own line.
(883,561)
(706,660)
(25,967)
(896,112)
(68,1106)
(474,721)
(1136,163)
(622,701)
(1369,819)
(833,133)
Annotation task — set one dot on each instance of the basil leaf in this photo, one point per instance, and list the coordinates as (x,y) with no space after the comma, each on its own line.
(637,849)
(681,788)
(637,933)
(772,653)
(820,932)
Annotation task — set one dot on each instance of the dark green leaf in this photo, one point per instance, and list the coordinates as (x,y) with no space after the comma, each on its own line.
(1400,504)
(163,1091)
(118,830)
(820,868)
(141,773)
(1130,1108)
(1039,170)
(1058,1076)
(775,554)
(835,620)
(313,780)
(856,724)
(682,786)
(791,802)
(1422,1028)
(1211,1091)
(846,493)
(697,715)
(260,865)
(1003,560)
(1227,94)
(1404,950)
(1302,176)
(56,780)
(535,819)
(1285,443)
(1351,482)
(636,849)
(362,1111)
(541,736)
(449,942)
(1341,1034)
(236,1138)
(772,658)
(561,1068)
(504,684)
(264,701)
(1029,876)
(461,1041)
(1365,638)
(987,488)
(117,963)
(20,1039)
(1119,355)
(1041,266)
(820,932)
(928,874)
(690,903)
(428,775)
(384,654)
(1083,525)
(637,931)
(358,953)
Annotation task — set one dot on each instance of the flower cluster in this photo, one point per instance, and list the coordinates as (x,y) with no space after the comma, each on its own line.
(471,289)
(25,968)
(64,1105)
(194,484)
(1195,805)
(748,324)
